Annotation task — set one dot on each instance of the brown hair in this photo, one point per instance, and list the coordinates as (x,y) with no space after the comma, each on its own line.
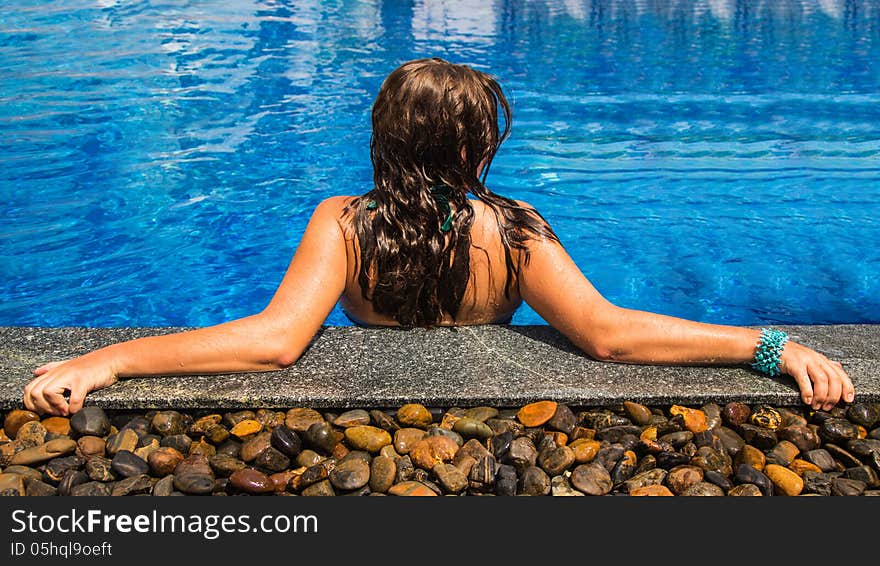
(434,123)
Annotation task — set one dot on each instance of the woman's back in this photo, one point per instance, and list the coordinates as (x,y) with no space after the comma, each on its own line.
(484,300)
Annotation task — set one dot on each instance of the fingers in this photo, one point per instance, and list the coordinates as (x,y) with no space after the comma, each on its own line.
(848,392)
(804,384)
(46,367)
(820,385)
(77,396)
(834,387)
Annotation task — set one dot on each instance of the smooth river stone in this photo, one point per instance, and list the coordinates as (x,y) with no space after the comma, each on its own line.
(782,454)
(383,420)
(44,452)
(644,479)
(682,477)
(255,445)
(847,487)
(694,419)
(202,425)
(246,429)
(300,419)
(730,440)
(784,480)
(232,419)
(592,479)
(286,440)
(90,446)
(164,460)
(39,488)
(470,428)
(735,414)
(561,487)
(411,489)
(57,467)
(654,490)
(766,417)
(584,450)
(406,438)
(168,423)
(435,430)
(745,490)
(100,469)
(450,477)
(414,415)
(272,460)
(351,474)
(522,453)
(864,474)
(252,481)
(31,434)
(225,465)
(802,436)
(324,438)
(91,489)
(799,466)
(433,450)
(16,418)
(134,485)
(179,442)
(12,484)
(638,413)
(864,414)
(838,430)
(366,437)
(70,479)
(481,477)
(481,414)
(194,476)
(563,419)
(702,489)
(127,465)
(556,460)
(90,421)
(320,489)
(625,468)
(126,439)
(354,417)
(537,413)
(713,415)
(383,471)
(747,474)
(534,481)
(760,438)
(751,456)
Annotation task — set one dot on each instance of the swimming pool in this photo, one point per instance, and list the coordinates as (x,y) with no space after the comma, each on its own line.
(716,160)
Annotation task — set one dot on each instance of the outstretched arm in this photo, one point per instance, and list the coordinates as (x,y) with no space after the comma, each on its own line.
(552,284)
(272,339)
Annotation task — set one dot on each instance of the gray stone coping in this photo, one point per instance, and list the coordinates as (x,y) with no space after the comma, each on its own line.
(501,365)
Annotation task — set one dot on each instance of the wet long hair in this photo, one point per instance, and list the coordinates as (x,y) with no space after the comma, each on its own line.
(434,123)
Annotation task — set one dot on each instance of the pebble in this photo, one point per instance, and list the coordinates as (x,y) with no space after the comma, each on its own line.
(323,437)
(11,484)
(168,423)
(286,440)
(450,477)
(745,490)
(354,417)
(251,481)
(383,471)
(90,421)
(16,418)
(537,413)
(412,488)
(534,481)
(414,415)
(132,486)
(100,469)
(471,428)
(91,489)
(702,489)
(591,479)
(300,419)
(433,450)
(164,460)
(652,491)
(351,474)
(44,452)
(365,437)
(627,449)
(682,477)
(784,480)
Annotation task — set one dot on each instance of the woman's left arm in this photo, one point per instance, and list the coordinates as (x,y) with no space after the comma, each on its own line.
(270,340)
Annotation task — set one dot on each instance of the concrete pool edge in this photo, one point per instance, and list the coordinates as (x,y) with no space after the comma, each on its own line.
(500,365)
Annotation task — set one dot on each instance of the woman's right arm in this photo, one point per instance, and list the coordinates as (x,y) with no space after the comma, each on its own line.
(551,283)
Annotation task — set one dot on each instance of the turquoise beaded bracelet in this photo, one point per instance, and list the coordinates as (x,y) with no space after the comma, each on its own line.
(769,350)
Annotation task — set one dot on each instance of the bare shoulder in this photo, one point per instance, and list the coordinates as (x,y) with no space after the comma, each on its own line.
(333,206)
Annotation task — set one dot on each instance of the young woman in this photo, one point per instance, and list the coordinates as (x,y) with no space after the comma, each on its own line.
(416,251)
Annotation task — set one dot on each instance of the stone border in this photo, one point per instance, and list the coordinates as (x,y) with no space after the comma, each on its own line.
(499,365)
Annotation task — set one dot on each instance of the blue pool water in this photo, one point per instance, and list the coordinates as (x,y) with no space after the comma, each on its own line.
(717,160)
